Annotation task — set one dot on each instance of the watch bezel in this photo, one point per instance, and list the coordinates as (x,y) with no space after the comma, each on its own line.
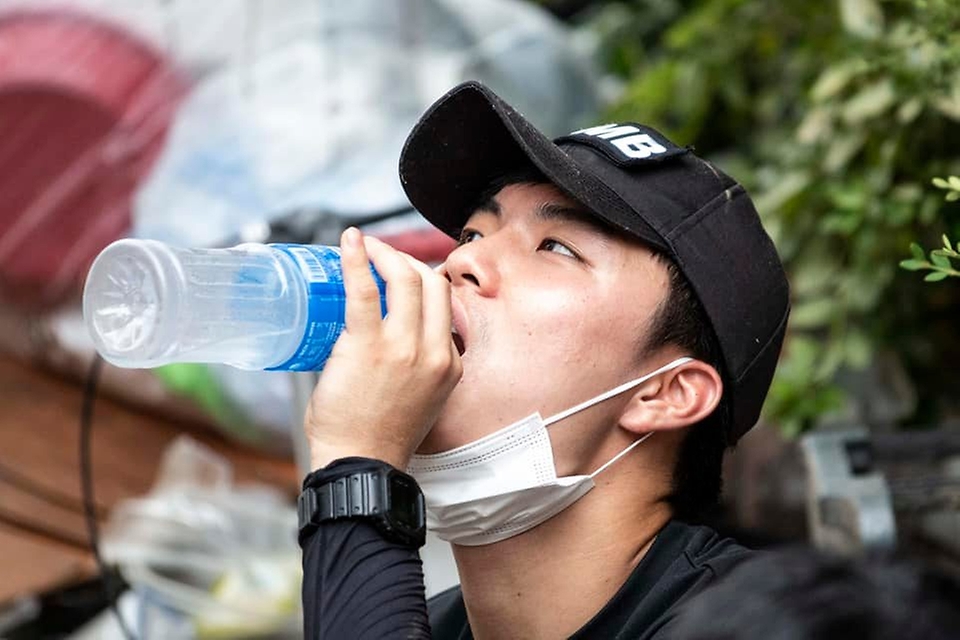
(394,522)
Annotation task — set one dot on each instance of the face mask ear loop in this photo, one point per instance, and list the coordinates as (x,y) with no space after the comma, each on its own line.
(621,454)
(614,392)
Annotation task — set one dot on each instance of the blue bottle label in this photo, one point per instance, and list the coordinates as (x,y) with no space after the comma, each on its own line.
(323,277)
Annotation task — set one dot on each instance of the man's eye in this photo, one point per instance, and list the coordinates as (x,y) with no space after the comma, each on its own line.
(553,245)
(469,235)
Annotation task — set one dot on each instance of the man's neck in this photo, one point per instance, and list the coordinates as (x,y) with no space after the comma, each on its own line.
(551,580)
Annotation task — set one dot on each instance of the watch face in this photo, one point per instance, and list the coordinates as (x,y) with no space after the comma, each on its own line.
(406,504)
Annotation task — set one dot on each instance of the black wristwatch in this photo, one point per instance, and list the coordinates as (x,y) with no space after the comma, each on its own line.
(390,499)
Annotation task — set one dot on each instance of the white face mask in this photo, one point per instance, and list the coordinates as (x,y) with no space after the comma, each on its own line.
(506,483)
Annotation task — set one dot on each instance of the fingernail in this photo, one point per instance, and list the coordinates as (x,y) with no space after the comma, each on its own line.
(352,237)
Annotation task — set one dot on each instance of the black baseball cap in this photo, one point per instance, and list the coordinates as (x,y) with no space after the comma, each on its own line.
(634,179)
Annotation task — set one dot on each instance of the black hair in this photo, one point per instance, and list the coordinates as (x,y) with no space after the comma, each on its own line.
(802,594)
(681,321)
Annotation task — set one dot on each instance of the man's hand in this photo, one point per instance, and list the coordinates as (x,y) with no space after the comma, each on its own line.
(387,378)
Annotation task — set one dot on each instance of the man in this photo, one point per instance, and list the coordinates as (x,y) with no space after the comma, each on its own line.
(611,282)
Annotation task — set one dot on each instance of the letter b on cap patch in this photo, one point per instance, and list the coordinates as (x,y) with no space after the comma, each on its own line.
(627,144)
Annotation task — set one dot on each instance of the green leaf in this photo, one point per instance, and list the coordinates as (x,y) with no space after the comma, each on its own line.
(914,265)
(946,243)
(936,276)
(841,224)
(909,111)
(929,209)
(862,18)
(858,349)
(917,251)
(843,149)
(940,183)
(813,274)
(780,192)
(954,182)
(852,198)
(908,193)
(948,104)
(940,260)
(828,364)
(816,125)
(833,80)
(953,196)
(813,313)
(870,102)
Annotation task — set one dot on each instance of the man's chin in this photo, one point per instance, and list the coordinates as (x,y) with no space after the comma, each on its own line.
(447,431)
(433,443)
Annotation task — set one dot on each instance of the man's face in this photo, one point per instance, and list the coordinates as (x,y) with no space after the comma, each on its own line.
(551,310)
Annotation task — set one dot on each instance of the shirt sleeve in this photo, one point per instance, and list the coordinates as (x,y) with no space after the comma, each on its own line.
(356,583)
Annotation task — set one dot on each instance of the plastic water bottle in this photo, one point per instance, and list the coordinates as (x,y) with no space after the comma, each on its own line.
(254,306)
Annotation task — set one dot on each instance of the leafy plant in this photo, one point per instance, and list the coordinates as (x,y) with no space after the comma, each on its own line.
(939,262)
(833,115)
(951,185)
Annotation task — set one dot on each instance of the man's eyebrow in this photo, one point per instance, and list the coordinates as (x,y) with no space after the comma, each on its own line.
(490,205)
(553,211)
(564,213)
(577,215)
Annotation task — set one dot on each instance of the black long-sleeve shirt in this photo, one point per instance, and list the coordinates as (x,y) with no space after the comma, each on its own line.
(356,583)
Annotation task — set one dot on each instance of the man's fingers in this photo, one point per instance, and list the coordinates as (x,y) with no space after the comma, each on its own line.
(436,305)
(440,351)
(418,323)
(362,312)
(404,290)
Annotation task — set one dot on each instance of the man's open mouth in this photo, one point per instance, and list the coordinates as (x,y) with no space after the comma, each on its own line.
(458,341)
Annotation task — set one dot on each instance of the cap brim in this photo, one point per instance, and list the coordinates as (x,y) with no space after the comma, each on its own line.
(470,137)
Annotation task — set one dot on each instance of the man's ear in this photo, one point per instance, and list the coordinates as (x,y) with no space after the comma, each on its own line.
(674,399)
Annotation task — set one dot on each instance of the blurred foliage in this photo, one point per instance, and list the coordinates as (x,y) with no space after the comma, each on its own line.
(834,115)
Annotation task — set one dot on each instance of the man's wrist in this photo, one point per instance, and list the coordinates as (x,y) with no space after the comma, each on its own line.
(367,489)
(322,455)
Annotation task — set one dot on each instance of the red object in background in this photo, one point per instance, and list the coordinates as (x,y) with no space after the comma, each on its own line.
(426,244)
(84,108)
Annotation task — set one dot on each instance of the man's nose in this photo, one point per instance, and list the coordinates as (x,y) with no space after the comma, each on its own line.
(472,265)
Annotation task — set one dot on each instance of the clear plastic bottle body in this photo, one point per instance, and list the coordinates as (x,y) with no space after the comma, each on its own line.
(252,306)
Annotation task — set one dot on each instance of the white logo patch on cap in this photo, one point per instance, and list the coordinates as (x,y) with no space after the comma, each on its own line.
(626,144)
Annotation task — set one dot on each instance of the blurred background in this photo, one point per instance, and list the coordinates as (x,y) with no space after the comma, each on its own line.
(207,124)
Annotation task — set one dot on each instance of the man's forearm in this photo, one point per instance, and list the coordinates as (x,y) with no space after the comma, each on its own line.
(358,584)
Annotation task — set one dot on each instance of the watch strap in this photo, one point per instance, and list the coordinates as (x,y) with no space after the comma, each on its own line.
(343,467)
(363,489)
(351,496)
